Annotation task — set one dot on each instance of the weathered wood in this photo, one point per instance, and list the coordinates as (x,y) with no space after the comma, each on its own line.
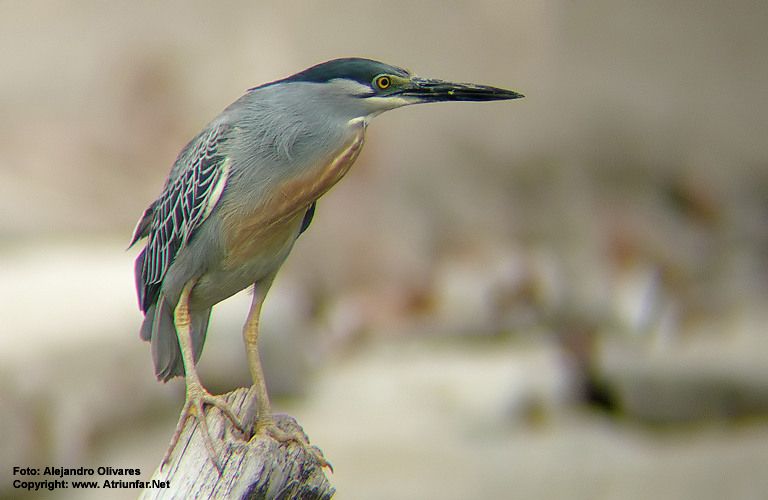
(258,469)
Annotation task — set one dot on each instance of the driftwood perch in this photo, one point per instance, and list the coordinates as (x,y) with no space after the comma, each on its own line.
(259,469)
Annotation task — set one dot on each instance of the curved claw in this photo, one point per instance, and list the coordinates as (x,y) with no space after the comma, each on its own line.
(271,429)
(197,398)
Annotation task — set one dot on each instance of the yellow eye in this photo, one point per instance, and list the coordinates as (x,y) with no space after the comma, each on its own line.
(383,82)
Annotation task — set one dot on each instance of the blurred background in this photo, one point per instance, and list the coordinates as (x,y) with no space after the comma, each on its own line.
(557,297)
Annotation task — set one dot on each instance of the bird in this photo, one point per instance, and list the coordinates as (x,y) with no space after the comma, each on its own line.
(239,195)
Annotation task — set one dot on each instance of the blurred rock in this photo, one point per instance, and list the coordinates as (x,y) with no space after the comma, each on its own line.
(474,287)
(712,376)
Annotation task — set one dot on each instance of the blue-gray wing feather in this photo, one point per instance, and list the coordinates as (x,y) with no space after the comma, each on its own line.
(194,186)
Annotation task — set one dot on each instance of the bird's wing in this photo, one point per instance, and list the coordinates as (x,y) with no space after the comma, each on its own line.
(308,216)
(194,187)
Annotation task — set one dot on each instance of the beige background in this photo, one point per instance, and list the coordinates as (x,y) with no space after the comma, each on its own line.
(432,326)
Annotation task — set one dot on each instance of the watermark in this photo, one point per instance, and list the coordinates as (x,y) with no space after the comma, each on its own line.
(62,478)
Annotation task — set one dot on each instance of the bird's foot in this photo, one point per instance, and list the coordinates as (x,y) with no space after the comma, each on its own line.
(194,406)
(268,428)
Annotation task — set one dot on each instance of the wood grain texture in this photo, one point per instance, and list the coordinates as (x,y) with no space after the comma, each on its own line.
(258,469)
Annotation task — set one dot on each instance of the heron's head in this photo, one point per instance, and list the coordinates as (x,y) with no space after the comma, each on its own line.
(365,88)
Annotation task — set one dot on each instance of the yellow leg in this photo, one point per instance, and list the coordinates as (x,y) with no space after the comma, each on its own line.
(265,423)
(196,395)
(251,339)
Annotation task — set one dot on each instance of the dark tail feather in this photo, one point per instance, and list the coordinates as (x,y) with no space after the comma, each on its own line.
(159,329)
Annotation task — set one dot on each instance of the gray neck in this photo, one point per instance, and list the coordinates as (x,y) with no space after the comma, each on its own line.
(293,125)
(282,132)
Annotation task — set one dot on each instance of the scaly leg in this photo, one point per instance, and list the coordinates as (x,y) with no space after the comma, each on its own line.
(265,423)
(196,395)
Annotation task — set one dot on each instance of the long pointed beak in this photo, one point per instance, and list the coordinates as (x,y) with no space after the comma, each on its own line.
(431,90)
